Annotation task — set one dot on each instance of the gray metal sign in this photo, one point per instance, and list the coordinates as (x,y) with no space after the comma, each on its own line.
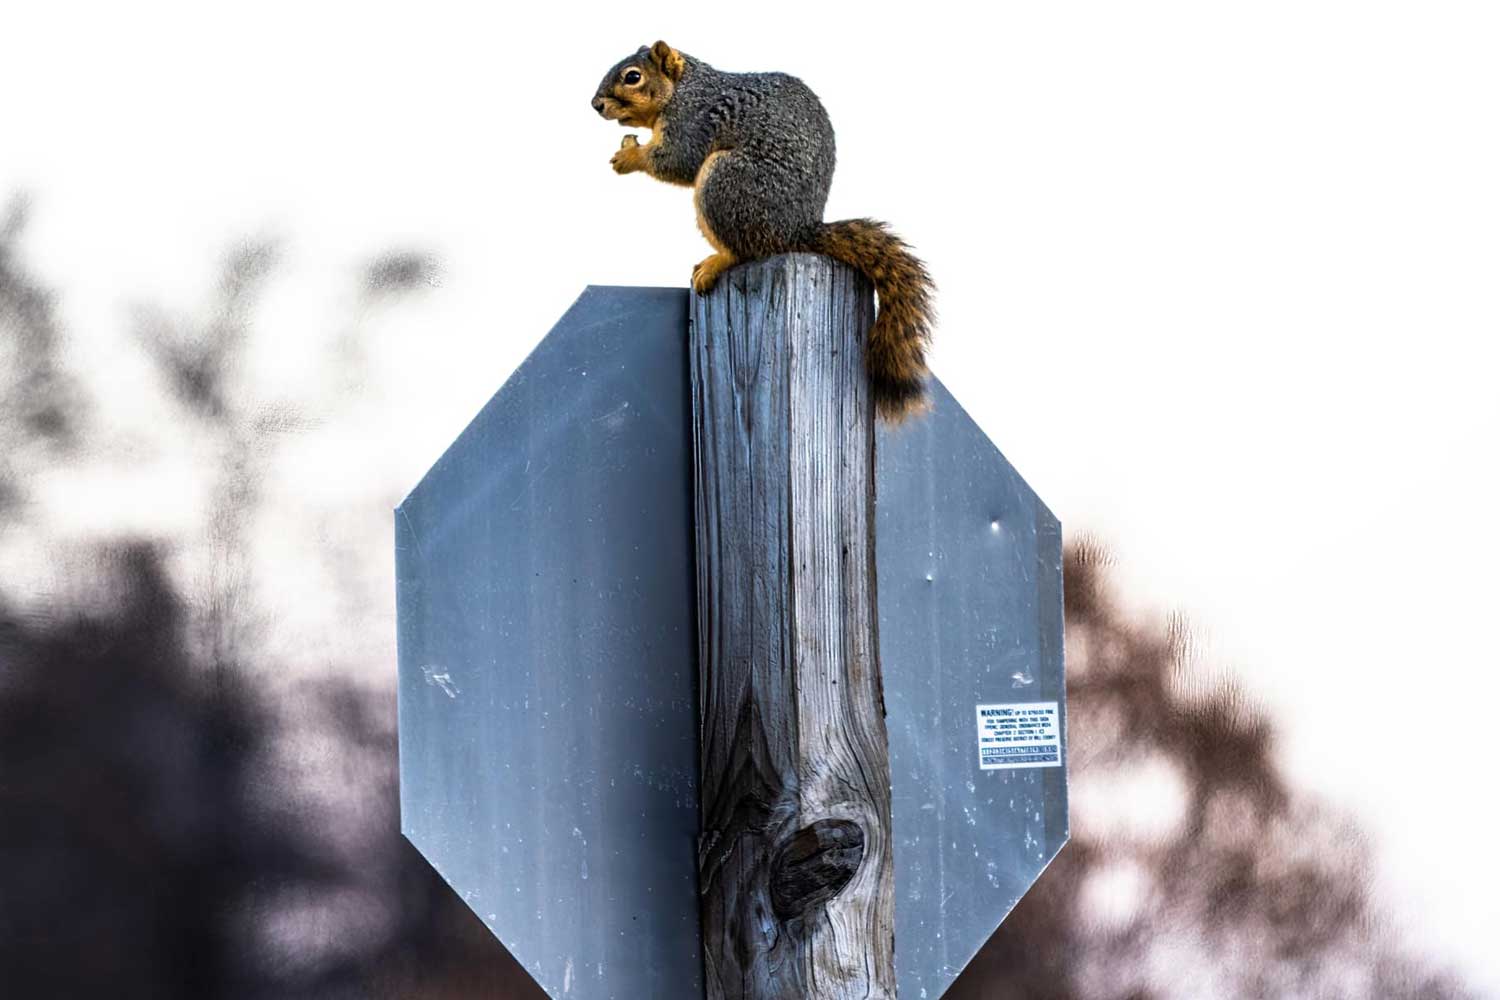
(969,569)
(548,723)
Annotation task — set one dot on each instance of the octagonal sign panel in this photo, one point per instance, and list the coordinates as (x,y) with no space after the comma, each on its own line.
(548,717)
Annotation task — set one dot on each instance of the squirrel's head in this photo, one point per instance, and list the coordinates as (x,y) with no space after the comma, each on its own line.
(635,90)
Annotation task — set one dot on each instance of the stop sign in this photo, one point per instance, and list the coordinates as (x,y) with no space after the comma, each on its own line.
(548,715)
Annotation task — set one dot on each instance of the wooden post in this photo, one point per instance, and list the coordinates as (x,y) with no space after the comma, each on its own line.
(795,868)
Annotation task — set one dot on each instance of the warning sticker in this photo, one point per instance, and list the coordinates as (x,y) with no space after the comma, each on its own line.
(1023,734)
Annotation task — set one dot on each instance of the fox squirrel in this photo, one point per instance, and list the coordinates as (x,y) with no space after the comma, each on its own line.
(757,148)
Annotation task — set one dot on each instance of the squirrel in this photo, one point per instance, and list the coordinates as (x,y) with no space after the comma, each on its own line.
(757,148)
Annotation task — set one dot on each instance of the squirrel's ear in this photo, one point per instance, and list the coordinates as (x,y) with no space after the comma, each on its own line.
(668,59)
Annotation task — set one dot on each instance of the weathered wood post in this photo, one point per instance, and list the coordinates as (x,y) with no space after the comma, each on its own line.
(795,865)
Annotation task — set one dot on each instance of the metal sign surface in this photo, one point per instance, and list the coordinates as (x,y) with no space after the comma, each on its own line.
(548,718)
(548,727)
(969,569)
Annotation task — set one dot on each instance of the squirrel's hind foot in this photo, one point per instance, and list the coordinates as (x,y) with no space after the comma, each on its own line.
(706,273)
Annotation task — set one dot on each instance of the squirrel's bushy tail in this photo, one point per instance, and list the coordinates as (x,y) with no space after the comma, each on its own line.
(895,355)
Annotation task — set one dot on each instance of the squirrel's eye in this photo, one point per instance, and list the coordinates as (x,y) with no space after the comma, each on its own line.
(633,77)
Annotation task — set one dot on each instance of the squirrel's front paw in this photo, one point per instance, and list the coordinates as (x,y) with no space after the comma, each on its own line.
(630,158)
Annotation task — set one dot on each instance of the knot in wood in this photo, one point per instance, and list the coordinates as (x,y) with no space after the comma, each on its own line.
(814,865)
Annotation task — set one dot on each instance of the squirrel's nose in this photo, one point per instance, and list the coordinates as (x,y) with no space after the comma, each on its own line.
(599,105)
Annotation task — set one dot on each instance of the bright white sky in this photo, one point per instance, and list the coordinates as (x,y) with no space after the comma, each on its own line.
(1223,281)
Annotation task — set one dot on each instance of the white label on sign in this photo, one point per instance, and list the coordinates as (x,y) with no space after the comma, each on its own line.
(1023,734)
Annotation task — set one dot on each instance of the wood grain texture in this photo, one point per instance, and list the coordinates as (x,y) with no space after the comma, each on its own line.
(795,866)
